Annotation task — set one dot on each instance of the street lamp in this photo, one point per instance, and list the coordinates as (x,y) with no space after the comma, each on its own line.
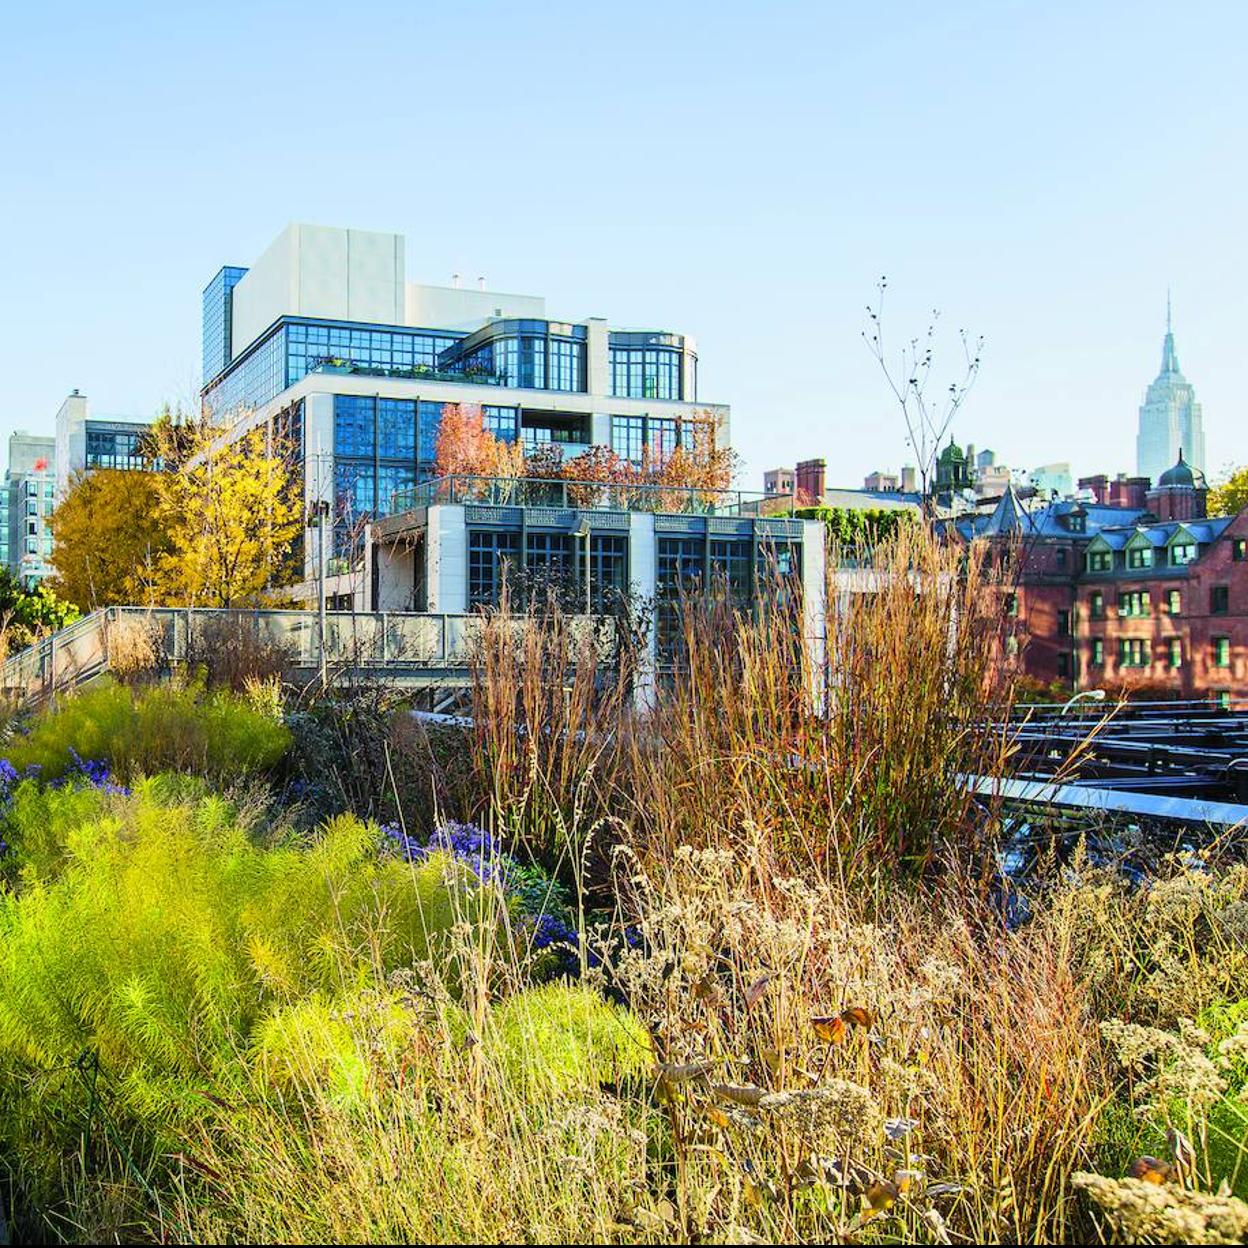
(318,512)
(1094,695)
(582,530)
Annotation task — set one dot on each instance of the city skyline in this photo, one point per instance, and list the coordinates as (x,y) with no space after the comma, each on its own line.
(791,181)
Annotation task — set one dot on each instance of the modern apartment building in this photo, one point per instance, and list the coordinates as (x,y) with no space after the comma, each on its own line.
(85,442)
(325,338)
(26,501)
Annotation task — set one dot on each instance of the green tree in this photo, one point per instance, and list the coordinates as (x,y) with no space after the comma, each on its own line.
(1231,497)
(26,614)
(111,537)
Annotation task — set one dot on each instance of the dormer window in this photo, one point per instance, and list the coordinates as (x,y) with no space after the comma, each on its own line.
(1140,557)
(1182,553)
(1100,560)
(1078,522)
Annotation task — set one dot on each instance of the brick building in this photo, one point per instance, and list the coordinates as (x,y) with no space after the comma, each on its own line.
(1107,594)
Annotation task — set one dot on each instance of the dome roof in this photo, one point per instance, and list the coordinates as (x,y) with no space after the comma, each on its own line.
(1182,474)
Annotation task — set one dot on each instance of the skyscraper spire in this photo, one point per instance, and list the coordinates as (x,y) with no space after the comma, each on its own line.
(1169,358)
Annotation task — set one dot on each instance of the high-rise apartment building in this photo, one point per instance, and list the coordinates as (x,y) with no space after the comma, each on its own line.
(1170,418)
(27,498)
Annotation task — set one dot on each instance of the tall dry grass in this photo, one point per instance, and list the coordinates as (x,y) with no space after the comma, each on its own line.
(843,746)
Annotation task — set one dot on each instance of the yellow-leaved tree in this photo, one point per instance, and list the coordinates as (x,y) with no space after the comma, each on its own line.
(1231,497)
(232,510)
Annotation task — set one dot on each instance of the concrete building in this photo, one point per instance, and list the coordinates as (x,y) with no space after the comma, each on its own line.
(325,336)
(886,481)
(26,502)
(1170,418)
(1052,480)
(85,442)
(1151,597)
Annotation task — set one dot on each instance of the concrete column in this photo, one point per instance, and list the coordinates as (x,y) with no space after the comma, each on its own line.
(814,599)
(643,575)
(447,569)
(597,357)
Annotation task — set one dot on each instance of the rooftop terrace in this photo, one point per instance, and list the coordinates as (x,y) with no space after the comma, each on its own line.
(579,495)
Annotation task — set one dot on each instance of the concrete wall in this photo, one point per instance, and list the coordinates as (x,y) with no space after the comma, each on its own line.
(321,271)
(447,555)
(71,440)
(454,307)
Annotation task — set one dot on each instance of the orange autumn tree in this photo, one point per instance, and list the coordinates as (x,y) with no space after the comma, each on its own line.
(465,447)
(698,464)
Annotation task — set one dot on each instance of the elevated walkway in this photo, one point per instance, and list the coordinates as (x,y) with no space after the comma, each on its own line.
(413,650)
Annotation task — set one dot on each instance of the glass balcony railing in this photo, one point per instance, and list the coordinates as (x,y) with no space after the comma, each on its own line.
(578,495)
(420,372)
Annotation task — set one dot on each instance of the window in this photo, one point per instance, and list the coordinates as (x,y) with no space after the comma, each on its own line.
(354,426)
(1221,652)
(631,435)
(1096,605)
(1061,556)
(1174,601)
(1132,652)
(731,562)
(1140,557)
(1182,553)
(1219,600)
(1063,664)
(1063,623)
(608,571)
(679,571)
(1136,603)
(1174,652)
(490,555)
(1011,604)
(1078,522)
(646,373)
(1100,560)
(1098,652)
(1223,698)
(1239,549)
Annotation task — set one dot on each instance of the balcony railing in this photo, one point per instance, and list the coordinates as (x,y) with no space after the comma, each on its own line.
(421,372)
(577,495)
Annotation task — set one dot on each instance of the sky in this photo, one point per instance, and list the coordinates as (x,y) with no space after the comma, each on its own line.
(745,173)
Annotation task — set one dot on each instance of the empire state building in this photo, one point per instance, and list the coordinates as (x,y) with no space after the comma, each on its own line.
(1170,418)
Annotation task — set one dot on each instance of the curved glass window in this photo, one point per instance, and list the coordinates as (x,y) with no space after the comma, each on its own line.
(646,372)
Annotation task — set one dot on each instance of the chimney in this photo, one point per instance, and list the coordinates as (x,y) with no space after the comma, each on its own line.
(455,280)
(810,478)
(1099,485)
(480,283)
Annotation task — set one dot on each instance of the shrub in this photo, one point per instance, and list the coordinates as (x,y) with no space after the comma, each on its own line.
(232,650)
(143,731)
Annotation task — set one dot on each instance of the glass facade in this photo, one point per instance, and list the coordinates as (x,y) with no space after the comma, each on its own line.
(218,320)
(380,446)
(633,436)
(492,556)
(646,373)
(296,347)
(115,446)
(530,355)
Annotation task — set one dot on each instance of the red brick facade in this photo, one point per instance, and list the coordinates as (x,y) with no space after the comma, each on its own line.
(1181,631)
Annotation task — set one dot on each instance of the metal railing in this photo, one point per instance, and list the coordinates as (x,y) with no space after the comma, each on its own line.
(419,372)
(392,642)
(577,495)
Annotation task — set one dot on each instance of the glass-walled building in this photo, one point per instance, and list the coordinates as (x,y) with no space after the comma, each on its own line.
(85,443)
(326,322)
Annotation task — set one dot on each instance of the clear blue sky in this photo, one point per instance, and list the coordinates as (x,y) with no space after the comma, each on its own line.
(743,173)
